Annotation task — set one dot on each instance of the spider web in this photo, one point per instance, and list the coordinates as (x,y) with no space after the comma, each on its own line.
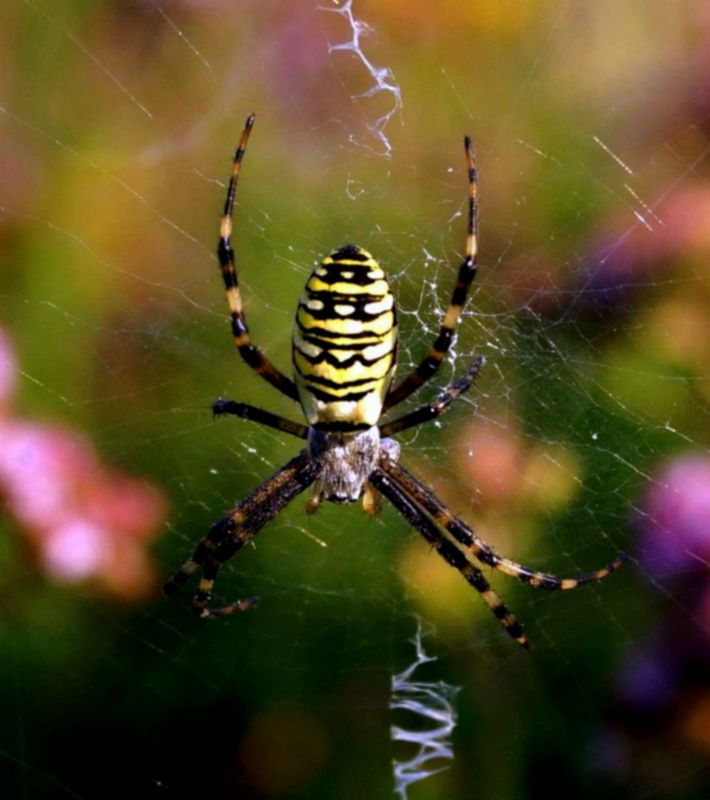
(586,434)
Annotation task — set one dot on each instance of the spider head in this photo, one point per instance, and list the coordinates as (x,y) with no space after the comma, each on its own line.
(346,459)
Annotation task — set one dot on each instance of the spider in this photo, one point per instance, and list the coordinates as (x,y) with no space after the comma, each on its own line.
(344,350)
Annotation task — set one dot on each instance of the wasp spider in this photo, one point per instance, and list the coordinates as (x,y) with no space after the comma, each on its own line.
(344,355)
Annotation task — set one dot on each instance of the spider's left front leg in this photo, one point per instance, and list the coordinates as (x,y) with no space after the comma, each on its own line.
(449,552)
(479,549)
(238,528)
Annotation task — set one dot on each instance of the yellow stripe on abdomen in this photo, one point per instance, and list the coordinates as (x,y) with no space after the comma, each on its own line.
(345,341)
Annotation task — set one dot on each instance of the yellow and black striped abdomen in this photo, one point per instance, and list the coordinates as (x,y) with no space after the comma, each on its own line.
(345,341)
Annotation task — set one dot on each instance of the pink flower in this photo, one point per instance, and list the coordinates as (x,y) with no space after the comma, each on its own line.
(83,521)
(8,373)
(41,471)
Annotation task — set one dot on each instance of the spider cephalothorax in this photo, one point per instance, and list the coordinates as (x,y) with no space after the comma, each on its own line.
(344,358)
(346,462)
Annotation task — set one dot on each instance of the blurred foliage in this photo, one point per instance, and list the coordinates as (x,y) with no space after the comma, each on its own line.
(116,121)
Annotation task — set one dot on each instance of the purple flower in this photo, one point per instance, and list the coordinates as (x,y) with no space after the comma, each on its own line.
(675,529)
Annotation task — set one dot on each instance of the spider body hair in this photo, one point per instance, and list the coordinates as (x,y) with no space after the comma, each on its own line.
(346,461)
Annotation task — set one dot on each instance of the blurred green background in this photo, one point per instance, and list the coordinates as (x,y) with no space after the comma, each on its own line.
(586,435)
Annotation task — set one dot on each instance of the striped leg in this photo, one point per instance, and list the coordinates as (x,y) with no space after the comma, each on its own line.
(238,528)
(220,407)
(242,338)
(476,546)
(449,552)
(467,272)
(436,408)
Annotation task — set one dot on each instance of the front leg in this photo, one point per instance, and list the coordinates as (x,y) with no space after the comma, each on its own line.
(237,528)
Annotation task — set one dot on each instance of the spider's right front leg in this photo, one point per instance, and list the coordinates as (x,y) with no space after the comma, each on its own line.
(237,528)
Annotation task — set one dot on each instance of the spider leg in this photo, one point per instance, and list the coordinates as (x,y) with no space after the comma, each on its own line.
(240,331)
(467,272)
(449,552)
(220,407)
(476,546)
(238,528)
(438,406)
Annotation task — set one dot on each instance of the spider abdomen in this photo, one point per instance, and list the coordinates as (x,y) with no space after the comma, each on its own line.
(345,341)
